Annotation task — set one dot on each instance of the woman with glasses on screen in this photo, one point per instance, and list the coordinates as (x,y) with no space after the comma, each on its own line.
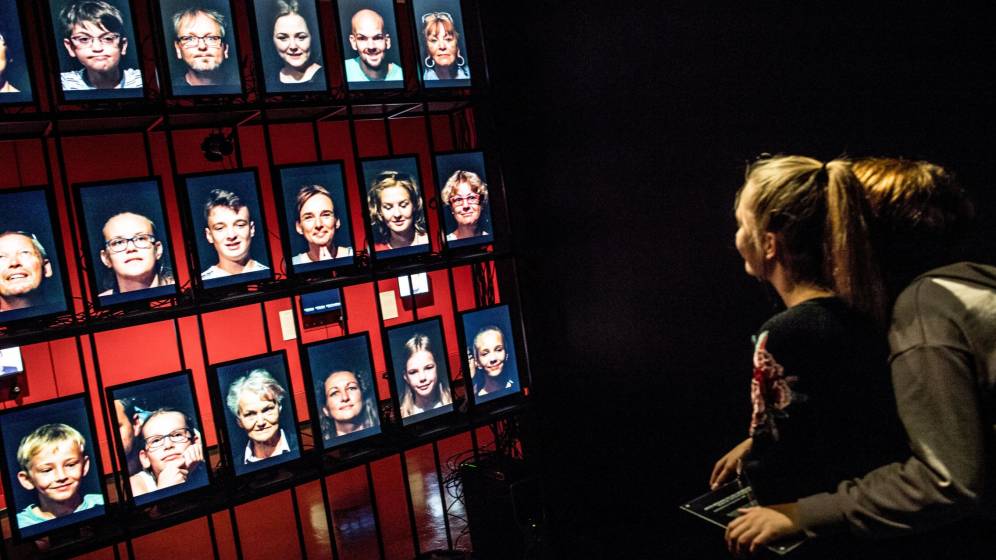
(424,390)
(348,406)
(134,254)
(396,213)
(292,40)
(466,195)
(443,61)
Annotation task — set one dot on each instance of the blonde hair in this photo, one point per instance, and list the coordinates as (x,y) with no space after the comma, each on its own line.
(48,434)
(420,343)
(821,217)
(384,181)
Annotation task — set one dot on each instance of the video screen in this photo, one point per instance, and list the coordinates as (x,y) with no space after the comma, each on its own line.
(15,78)
(201,47)
(51,466)
(31,273)
(395,202)
(421,377)
(127,241)
(490,350)
(97,49)
(228,227)
(441,43)
(316,217)
(160,437)
(290,45)
(466,207)
(371,45)
(344,389)
(325,301)
(414,284)
(10,361)
(260,423)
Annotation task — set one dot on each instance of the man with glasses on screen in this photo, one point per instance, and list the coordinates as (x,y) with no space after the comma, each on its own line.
(368,39)
(93,34)
(24,266)
(200,43)
(230,230)
(134,253)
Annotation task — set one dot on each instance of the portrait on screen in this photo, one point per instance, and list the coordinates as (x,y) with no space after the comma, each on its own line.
(260,422)
(344,389)
(290,45)
(51,465)
(127,241)
(159,437)
(228,228)
(442,47)
(10,361)
(97,49)
(15,81)
(490,351)
(421,376)
(395,207)
(372,58)
(316,216)
(201,47)
(465,201)
(31,274)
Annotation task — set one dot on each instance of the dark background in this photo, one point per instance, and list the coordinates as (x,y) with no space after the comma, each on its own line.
(624,130)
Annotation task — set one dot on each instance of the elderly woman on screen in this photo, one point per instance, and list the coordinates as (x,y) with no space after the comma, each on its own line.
(444,61)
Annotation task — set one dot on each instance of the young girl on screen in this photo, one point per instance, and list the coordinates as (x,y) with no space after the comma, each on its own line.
(424,390)
(396,213)
(348,405)
(822,403)
(489,361)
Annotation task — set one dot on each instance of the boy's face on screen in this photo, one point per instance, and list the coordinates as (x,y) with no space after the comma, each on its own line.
(230,232)
(420,373)
(159,433)
(56,471)
(489,349)
(96,48)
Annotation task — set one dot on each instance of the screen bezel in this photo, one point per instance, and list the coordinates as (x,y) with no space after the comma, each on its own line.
(397,381)
(456,83)
(260,68)
(400,252)
(473,244)
(199,91)
(344,24)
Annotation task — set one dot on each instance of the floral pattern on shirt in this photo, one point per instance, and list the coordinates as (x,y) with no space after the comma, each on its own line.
(770,390)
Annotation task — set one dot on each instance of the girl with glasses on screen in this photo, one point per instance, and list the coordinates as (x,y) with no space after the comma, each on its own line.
(396,213)
(424,389)
(134,254)
(822,404)
(292,40)
(443,61)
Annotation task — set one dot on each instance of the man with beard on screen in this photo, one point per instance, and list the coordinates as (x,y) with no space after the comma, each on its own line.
(368,39)
(201,44)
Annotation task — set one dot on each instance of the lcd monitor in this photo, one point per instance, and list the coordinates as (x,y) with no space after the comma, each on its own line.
(413,284)
(97,49)
(10,361)
(396,207)
(39,441)
(369,31)
(315,217)
(442,44)
(490,350)
(199,42)
(159,437)
(15,74)
(343,396)
(32,281)
(325,301)
(421,376)
(289,41)
(466,201)
(127,241)
(228,228)
(260,424)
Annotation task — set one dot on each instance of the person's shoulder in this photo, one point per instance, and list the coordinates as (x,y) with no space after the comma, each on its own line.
(300,258)
(212,272)
(27,517)
(73,81)
(344,252)
(91,500)
(808,321)
(132,78)
(394,72)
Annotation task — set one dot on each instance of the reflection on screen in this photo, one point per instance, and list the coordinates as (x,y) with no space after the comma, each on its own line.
(10,361)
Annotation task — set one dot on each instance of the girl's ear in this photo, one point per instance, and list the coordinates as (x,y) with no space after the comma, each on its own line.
(769,246)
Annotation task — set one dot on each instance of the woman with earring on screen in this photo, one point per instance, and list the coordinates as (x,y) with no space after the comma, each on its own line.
(292,40)
(488,359)
(444,61)
(424,390)
(348,406)
(5,61)
(466,195)
(820,388)
(396,213)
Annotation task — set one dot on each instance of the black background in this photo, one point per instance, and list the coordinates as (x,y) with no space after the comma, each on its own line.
(624,130)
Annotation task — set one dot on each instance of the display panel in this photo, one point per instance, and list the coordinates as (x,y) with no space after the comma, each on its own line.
(289,35)
(15,76)
(369,32)
(127,241)
(160,437)
(51,466)
(199,37)
(31,270)
(324,301)
(316,217)
(97,49)
(258,406)
(421,376)
(344,397)
(466,204)
(228,228)
(490,350)
(441,42)
(395,206)
(10,361)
